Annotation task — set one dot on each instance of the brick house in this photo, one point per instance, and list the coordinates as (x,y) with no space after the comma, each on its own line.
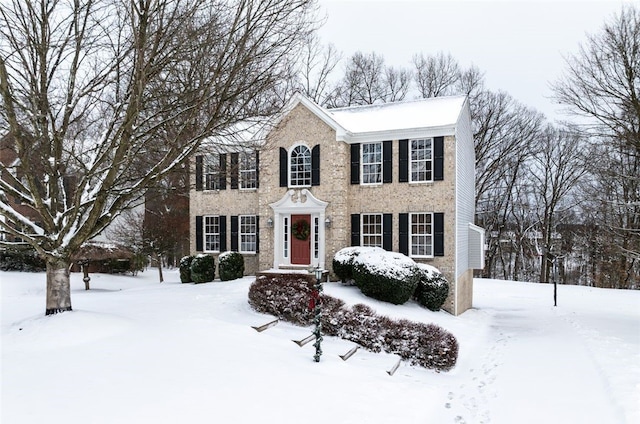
(399,176)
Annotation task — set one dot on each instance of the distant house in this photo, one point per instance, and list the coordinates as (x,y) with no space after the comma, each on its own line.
(399,176)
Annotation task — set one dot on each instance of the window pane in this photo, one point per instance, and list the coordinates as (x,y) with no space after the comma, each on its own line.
(248,232)
(300,167)
(372,163)
(372,230)
(248,174)
(421,234)
(211,234)
(421,163)
(212,172)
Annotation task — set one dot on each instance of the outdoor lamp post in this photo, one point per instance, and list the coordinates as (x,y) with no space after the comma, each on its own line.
(317,310)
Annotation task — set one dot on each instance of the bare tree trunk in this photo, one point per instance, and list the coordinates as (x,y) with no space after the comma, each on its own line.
(58,286)
(159,260)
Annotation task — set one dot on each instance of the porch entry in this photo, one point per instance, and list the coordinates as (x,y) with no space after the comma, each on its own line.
(300,239)
(299,232)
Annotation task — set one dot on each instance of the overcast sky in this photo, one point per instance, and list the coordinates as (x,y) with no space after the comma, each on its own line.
(519,45)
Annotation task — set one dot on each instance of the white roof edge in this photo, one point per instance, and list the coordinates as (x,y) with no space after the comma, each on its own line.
(317,110)
(399,134)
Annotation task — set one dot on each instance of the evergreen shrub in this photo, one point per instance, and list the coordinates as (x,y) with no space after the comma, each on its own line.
(287,297)
(432,289)
(230,266)
(342,263)
(387,276)
(185,268)
(21,258)
(203,269)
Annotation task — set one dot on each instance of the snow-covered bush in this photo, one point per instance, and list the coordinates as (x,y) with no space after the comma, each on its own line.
(387,276)
(203,269)
(185,268)
(21,259)
(230,266)
(287,297)
(342,263)
(432,289)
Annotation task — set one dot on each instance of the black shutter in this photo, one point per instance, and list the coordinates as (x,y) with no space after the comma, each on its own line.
(257,234)
(234,170)
(403,234)
(355,163)
(234,233)
(199,235)
(438,234)
(404,161)
(222,221)
(284,175)
(387,232)
(355,229)
(315,165)
(257,169)
(199,172)
(387,170)
(223,171)
(438,158)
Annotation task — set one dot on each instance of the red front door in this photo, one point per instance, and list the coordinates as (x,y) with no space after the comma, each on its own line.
(300,239)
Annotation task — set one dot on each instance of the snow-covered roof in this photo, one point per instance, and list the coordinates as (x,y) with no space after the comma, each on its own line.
(397,120)
(397,116)
(247,134)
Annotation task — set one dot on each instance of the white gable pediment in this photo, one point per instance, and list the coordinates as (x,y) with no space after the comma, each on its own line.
(295,201)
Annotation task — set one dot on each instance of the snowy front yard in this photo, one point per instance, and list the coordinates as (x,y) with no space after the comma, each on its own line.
(136,351)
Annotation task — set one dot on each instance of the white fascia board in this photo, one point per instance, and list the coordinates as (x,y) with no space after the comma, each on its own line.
(409,133)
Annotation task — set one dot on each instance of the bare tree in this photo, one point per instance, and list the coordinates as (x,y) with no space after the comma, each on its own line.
(436,75)
(555,170)
(104,98)
(318,62)
(601,86)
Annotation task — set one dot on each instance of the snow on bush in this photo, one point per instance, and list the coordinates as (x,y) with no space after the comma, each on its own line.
(287,297)
(230,266)
(185,269)
(387,276)
(203,269)
(432,289)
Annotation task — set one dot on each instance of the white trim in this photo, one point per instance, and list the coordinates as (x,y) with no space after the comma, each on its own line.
(411,255)
(291,149)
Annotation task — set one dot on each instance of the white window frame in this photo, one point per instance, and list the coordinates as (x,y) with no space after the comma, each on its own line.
(211,172)
(247,170)
(371,163)
(366,236)
(424,160)
(247,238)
(300,177)
(211,228)
(421,239)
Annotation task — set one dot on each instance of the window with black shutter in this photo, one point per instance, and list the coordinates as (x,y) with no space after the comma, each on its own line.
(199,234)
(438,234)
(403,233)
(284,167)
(438,158)
(223,171)
(223,233)
(403,161)
(355,163)
(315,165)
(387,165)
(355,229)
(199,173)
(234,233)
(387,231)
(234,170)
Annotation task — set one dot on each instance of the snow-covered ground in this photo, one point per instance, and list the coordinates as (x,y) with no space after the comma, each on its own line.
(136,351)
